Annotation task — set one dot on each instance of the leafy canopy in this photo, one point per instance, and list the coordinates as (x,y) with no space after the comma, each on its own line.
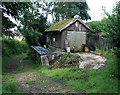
(66,10)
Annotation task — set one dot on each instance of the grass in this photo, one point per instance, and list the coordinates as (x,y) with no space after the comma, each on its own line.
(90,81)
(9,84)
(103,81)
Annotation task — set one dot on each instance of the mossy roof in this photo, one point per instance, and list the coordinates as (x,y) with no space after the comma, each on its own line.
(59,26)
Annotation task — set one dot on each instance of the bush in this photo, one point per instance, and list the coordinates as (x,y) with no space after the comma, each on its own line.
(12,46)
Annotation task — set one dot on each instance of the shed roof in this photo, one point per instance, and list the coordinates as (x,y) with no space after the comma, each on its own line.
(61,25)
(41,50)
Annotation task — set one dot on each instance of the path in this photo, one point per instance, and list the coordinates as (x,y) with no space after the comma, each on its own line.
(32,81)
(38,83)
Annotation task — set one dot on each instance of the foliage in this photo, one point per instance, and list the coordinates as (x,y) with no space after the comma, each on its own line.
(29,18)
(98,26)
(114,28)
(109,27)
(114,33)
(12,46)
(13,9)
(66,10)
(33,26)
(31,36)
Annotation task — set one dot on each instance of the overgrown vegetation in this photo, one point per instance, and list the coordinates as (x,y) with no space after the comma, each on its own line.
(109,27)
(13,47)
(91,81)
(103,81)
(66,60)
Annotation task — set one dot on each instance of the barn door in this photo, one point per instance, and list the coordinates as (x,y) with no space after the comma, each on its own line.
(76,39)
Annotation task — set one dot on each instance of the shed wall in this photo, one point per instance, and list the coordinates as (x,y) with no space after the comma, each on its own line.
(54,39)
(61,37)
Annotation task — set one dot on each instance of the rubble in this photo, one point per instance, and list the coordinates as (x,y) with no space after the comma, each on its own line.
(91,61)
(83,61)
(67,59)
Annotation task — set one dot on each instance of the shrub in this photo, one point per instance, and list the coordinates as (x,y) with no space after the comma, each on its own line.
(12,46)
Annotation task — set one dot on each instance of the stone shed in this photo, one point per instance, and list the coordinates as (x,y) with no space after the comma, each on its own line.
(67,33)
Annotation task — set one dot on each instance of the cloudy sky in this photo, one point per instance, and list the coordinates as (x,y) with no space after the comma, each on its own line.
(96,7)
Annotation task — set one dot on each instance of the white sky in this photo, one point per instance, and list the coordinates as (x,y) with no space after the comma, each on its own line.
(95,6)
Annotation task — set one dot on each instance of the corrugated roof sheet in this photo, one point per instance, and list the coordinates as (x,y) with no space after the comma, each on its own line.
(41,50)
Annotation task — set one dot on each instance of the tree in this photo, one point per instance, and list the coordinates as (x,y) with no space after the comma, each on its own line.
(113,24)
(114,35)
(66,10)
(32,22)
(13,9)
(99,26)
(33,25)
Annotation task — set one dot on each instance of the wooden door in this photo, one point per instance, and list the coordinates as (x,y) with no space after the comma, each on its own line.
(75,39)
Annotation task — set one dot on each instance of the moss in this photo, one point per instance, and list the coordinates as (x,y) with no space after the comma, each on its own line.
(59,25)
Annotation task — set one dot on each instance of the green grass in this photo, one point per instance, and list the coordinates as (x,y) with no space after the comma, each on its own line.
(91,81)
(9,84)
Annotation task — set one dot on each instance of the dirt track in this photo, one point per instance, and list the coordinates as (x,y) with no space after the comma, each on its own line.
(32,81)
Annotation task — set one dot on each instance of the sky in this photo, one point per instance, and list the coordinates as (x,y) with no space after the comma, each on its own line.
(95,6)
